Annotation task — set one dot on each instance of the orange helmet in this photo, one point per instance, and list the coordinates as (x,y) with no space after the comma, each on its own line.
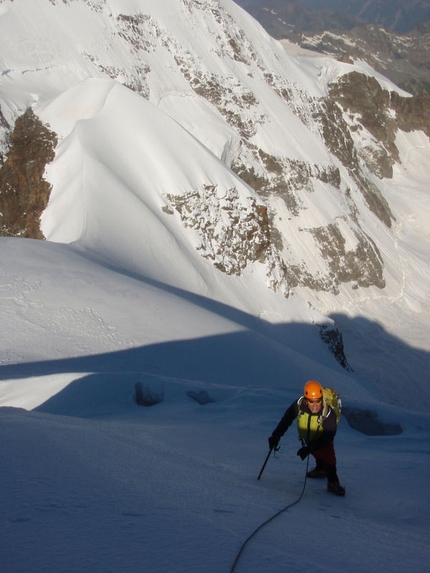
(313,390)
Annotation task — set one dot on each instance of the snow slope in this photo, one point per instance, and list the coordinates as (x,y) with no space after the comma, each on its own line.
(93,482)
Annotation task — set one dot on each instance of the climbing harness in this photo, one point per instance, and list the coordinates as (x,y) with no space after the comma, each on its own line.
(273,516)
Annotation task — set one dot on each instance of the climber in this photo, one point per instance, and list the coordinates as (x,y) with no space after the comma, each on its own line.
(317,425)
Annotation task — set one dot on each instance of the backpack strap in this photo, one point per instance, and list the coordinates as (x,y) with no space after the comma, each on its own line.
(325,412)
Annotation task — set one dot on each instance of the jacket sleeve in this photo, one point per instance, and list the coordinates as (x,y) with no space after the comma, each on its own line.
(286,420)
(328,433)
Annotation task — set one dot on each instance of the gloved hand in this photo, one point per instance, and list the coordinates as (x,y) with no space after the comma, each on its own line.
(273,442)
(304,452)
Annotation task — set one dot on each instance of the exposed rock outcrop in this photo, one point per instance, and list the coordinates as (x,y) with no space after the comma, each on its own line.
(24,193)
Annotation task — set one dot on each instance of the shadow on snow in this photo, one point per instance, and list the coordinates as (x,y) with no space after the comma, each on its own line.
(262,355)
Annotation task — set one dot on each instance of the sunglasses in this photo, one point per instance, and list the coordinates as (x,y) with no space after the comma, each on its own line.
(318,401)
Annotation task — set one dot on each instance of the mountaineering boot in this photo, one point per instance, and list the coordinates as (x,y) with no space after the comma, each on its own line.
(335,488)
(333,484)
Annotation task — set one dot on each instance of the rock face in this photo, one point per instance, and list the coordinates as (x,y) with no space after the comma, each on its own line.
(232,234)
(248,234)
(24,192)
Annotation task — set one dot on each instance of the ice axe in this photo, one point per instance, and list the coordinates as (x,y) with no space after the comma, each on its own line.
(265,462)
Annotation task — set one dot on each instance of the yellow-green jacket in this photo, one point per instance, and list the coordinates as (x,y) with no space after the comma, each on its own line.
(314,430)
